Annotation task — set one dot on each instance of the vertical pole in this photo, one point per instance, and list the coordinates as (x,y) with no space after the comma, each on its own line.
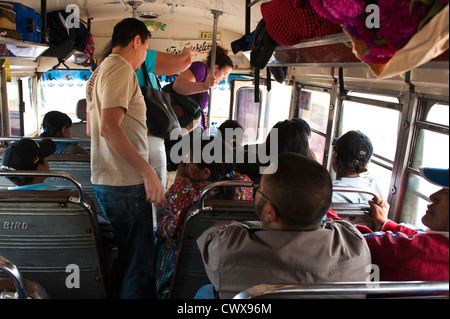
(43,21)
(21,108)
(216,15)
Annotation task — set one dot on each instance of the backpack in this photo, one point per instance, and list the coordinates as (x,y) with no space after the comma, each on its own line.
(76,38)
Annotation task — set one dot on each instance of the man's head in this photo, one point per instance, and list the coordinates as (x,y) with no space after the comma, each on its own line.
(27,155)
(296,196)
(132,34)
(126,30)
(352,153)
(437,214)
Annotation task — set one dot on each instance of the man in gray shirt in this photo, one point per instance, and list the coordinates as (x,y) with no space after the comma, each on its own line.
(290,244)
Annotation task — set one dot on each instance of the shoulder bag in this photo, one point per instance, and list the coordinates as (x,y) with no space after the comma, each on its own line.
(186,109)
(161,118)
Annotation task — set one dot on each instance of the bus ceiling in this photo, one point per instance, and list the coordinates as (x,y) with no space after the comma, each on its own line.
(173,29)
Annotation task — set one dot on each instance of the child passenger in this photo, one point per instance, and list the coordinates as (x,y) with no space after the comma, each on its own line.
(191,179)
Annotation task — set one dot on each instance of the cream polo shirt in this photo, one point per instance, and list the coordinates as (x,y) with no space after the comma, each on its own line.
(114,83)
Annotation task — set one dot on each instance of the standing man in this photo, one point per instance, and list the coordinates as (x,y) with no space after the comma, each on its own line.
(124,182)
(161,63)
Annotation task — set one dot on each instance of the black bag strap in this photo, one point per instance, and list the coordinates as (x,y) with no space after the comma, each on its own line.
(147,78)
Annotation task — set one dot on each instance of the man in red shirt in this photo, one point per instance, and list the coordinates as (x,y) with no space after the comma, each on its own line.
(405,254)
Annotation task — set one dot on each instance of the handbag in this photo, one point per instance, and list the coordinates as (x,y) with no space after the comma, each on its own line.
(161,118)
(186,109)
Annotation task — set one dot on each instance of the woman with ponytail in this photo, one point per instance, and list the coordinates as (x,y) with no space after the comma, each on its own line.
(197,80)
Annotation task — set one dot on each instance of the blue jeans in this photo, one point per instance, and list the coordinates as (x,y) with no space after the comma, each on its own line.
(131,218)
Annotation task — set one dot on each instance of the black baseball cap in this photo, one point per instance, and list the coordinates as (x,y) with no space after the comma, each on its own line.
(354,147)
(26,154)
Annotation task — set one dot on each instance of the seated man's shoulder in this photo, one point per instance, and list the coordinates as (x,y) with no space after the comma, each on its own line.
(343,228)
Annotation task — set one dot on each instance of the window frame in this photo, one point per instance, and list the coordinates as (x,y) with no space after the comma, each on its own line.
(296,112)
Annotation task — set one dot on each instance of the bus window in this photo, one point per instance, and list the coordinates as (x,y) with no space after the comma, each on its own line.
(221,102)
(248,113)
(314,108)
(380,123)
(61,90)
(16,88)
(280,101)
(430,148)
(439,114)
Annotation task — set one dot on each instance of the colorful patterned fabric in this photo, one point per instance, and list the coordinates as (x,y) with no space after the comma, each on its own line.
(180,197)
(291,21)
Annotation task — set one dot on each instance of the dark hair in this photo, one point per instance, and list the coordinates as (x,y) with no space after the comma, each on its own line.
(219,169)
(301,190)
(348,168)
(231,125)
(292,137)
(126,30)
(54,122)
(354,150)
(303,124)
(222,58)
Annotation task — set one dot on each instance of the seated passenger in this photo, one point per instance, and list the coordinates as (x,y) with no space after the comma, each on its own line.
(28,155)
(402,253)
(191,179)
(352,153)
(289,136)
(233,129)
(58,124)
(290,244)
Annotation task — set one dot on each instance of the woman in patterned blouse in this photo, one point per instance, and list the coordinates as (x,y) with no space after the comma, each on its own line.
(191,179)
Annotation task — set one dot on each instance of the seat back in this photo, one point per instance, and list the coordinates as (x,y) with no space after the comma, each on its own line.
(79,128)
(402,289)
(77,165)
(189,274)
(53,239)
(355,213)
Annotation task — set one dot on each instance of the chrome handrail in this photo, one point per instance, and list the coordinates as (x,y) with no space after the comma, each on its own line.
(346,288)
(81,196)
(54,139)
(16,277)
(207,189)
(356,190)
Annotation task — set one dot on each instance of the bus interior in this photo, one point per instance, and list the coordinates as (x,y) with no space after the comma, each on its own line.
(406,116)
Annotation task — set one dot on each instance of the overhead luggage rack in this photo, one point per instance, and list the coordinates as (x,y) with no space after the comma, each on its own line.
(333,50)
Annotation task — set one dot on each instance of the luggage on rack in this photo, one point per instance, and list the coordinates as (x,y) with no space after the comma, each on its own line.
(28,22)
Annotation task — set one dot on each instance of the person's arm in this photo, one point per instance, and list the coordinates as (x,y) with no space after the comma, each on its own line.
(88,125)
(168,64)
(379,211)
(186,84)
(111,130)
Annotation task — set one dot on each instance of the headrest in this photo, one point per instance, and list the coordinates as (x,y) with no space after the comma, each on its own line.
(81,109)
